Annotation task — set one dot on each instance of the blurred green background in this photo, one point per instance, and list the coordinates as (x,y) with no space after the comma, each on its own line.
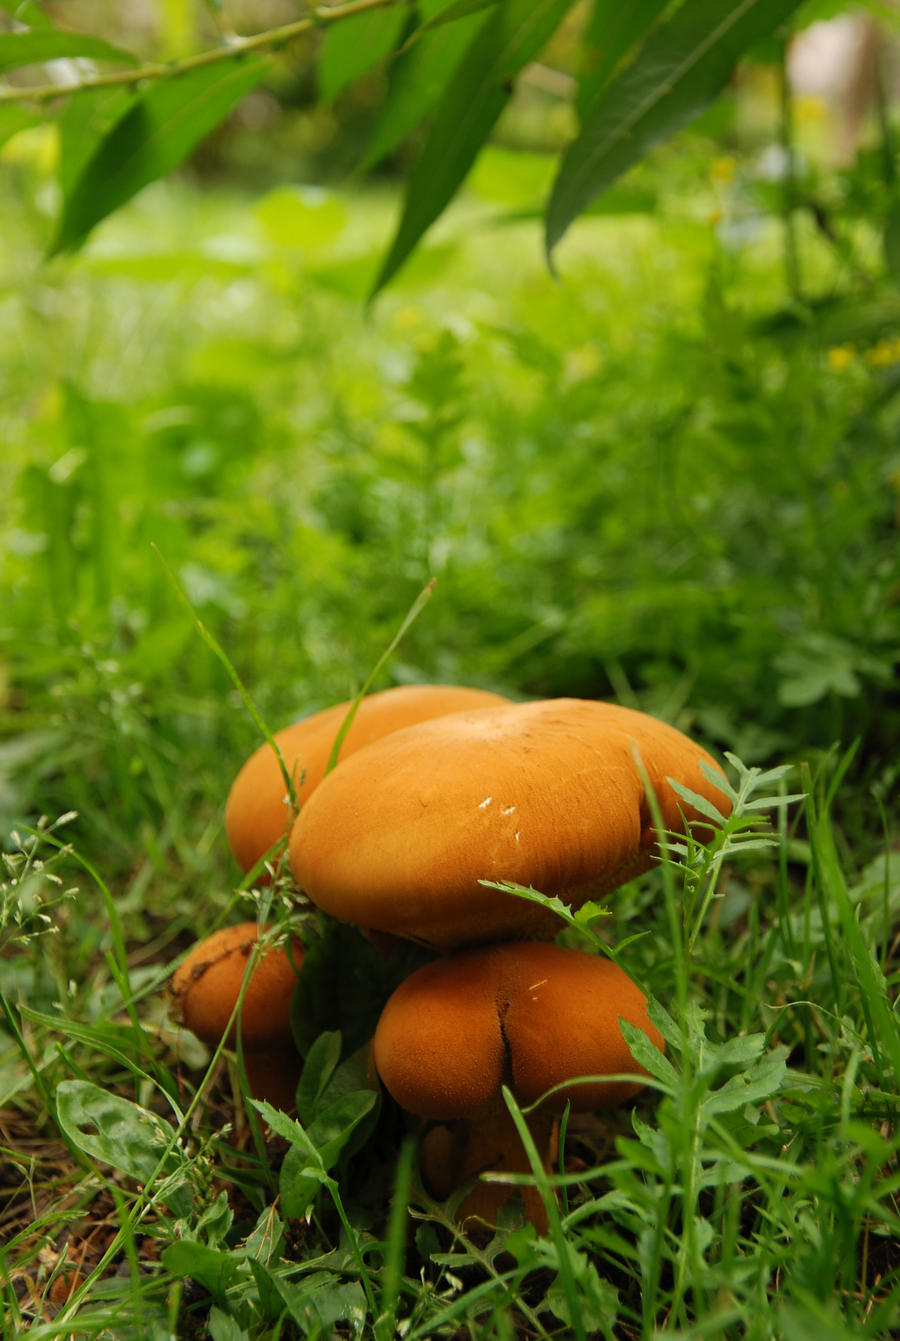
(670,475)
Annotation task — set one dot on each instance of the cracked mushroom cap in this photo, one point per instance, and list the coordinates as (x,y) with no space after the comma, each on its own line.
(256,811)
(545,794)
(205,987)
(528,1015)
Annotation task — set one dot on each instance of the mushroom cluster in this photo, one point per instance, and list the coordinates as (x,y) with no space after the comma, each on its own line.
(402,838)
(217,974)
(440,794)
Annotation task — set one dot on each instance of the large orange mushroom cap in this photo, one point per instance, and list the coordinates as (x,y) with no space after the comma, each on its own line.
(548,794)
(527,1015)
(257,809)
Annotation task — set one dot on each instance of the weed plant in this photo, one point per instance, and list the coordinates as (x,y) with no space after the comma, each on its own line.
(655,480)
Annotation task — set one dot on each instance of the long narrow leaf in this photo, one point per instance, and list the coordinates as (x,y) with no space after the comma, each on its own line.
(476,95)
(684,64)
(419,76)
(613,30)
(153,137)
(352,48)
(35,47)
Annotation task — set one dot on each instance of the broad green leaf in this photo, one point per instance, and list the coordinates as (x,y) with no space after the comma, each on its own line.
(116,1131)
(612,32)
(420,74)
(355,46)
(213,1268)
(47,44)
(479,89)
(683,65)
(750,1087)
(318,1069)
(156,133)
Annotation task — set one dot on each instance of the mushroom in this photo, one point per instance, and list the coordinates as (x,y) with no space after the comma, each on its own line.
(205,988)
(547,794)
(257,811)
(527,1015)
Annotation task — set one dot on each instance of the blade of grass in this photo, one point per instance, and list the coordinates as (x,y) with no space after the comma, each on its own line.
(414,611)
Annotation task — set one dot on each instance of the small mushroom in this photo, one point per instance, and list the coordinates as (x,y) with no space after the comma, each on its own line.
(530,1016)
(205,988)
(546,794)
(257,811)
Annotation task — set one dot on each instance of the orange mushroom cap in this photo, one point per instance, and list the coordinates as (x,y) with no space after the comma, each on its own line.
(529,1015)
(206,985)
(546,794)
(256,811)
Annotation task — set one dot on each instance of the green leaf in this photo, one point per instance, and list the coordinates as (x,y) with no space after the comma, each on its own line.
(697,802)
(356,45)
(37,46)
(156,133)
(420,74)
(13,119)
(212,1268)
(683,65)
(647,1055)
(613,30)
(318,1069)
(116,1131)
(477,92)
(83,123)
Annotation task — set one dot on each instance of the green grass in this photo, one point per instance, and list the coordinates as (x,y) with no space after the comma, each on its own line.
(648,481)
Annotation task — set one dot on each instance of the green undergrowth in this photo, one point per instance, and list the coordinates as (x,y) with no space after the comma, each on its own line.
(657,479)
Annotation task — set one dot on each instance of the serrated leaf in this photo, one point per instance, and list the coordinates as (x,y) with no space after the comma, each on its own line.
(754,1086)
(682,66)
(647,1055)
(37,46)
(420,74)
(156,133)
(478,91)
(355,46)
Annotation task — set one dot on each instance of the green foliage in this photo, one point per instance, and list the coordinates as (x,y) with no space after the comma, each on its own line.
(663,480)
(460,71)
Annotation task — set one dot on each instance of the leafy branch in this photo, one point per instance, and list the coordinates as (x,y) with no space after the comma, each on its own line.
(72,44)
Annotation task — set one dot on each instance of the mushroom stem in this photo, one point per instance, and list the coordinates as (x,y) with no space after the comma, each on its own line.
(452,1154)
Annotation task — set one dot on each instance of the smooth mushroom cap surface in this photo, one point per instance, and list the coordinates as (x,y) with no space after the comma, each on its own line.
(206,985)
(546,794)
(529,1015)
(257,811)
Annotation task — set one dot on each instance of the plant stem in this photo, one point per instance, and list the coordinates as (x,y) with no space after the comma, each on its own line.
(272,39)
(789,193)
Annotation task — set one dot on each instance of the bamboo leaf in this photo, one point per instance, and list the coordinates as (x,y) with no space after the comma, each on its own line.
(355,46)
(477,93)
(420,74)
(154,135)
(683,65)
(37,46)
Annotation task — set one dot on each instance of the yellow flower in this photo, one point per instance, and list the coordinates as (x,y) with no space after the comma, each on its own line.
(885,353)
(840,357)
(722,170)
